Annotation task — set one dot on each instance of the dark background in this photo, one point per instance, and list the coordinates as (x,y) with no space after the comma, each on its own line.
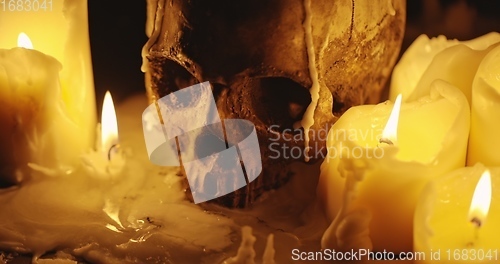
(117,34)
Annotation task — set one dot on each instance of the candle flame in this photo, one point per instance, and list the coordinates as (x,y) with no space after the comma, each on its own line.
(481,199)
(23,41)
(109,126)
(390,132)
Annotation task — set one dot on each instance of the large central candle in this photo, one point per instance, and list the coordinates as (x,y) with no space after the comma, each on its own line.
(367,176)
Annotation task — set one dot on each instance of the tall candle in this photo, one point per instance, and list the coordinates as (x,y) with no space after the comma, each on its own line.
(34,125)
(439,58)
(453,223)
(484,142)
(59,28)
(363,176)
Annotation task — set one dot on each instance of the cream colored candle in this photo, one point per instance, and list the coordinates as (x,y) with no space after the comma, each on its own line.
(363,177)
(35,127)
(142,215)
(59,28)
(484,142)
(457,216)
(438,58)
(106,161)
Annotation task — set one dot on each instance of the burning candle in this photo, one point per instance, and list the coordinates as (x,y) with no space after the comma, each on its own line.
(58,29)
(36,128)
(106,161)
(137,215)
(484,142)
(456,220)
(381,177)
(439,58)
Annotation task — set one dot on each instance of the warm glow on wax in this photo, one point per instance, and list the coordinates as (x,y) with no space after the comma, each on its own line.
(481,199)
(390,133)
(109,126)
(23,41)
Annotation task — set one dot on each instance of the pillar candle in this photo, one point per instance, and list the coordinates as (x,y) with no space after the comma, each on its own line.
(439,58)
(58,29)
(363,177)
(448,229)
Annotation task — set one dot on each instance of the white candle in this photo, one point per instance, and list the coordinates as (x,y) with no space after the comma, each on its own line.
(59,28)
(484,141)
(363,177)
(456,219)
(36,128)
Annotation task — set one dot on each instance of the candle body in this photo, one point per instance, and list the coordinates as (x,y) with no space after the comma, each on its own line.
(60,29)
(390,178)
(442,223)
(35,128)
(484,142)
(438,58)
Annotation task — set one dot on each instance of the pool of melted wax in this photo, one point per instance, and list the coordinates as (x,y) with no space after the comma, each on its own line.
(142,216)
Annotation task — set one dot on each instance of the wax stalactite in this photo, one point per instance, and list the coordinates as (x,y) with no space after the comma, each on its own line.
(390,132)
(350,228)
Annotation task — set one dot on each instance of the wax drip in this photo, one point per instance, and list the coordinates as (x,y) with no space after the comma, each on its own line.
(246,252)
(153,29)
(308,120)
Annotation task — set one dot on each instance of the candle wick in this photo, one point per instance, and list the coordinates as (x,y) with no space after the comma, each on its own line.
(476,222)
(386,141)
(112,150)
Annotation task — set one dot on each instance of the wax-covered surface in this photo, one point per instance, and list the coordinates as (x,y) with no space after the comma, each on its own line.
(142,215)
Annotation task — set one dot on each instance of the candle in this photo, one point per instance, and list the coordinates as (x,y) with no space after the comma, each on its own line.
(484,142)
(59,28)
(36,129)
(107,160)
(366,175)
(438,58)
(457,216)
(137,216)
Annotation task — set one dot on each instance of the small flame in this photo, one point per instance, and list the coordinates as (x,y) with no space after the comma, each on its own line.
(23,41)
(390,133)
(109,126)
(481,199)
